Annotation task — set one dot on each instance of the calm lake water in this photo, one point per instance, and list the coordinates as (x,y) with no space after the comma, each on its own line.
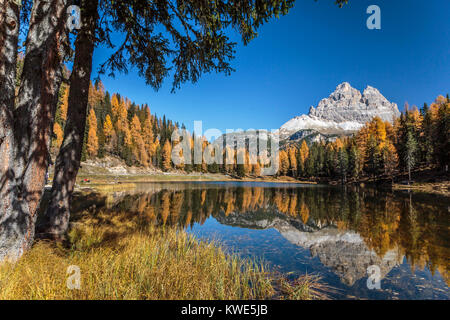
(335,232)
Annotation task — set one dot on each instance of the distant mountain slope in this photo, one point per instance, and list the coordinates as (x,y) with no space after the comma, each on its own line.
(344,112)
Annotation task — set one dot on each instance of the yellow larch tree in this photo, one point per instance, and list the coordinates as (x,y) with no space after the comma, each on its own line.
(304,212)
(59,135)
(92,140)
(338,144)
(257,169)
(247,165)
(204,145)
(91,95)
(292,153)
(108,132)
(147,135)
(166,156)
(138,145)
(122,117)
(64,103)
(304,153)
(284,162)
(417,118)
(390,158)
(96,94)
(115,105)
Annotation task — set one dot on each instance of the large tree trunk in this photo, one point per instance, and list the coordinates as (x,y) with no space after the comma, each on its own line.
(9,33)
(56,219)
(33,121)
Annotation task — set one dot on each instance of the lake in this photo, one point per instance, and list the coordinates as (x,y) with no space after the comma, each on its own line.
(335,232)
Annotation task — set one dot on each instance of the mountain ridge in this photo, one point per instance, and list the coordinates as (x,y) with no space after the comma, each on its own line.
(344,112)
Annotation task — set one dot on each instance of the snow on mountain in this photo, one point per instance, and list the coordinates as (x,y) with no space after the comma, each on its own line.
(345,111)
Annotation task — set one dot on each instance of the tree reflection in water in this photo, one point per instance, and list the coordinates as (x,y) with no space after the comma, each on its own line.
(347,228)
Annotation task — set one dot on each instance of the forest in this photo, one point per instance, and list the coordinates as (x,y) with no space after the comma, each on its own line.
(417,139)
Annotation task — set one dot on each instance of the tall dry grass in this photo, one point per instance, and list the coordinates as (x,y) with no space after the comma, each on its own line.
(122,256)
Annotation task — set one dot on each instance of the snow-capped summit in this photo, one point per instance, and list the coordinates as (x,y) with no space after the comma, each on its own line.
(345,111)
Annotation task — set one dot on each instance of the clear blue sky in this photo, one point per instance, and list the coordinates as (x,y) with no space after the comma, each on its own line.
(300,58)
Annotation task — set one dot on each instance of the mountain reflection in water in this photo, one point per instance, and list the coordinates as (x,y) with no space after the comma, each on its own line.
(344,230)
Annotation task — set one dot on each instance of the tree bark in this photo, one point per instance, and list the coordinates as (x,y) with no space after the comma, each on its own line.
(56,219)
(9,35)
(28,126)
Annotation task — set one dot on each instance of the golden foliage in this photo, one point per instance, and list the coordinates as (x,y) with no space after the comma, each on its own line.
(92,139)
(58,132)
(284,162)
(304,152)
(167,156)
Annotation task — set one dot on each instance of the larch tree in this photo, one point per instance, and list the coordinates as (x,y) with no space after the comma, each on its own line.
(166,156)
(64,103)
(378,128)
(59,135)
(115,105)
(92,139)
(292,153)
(108,131)
(138,142)
(284,162)
(390,159)
(303,154)
(257,169)
(147,135)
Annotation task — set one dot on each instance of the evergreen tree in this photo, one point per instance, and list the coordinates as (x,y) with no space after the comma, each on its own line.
(410,153)
(354,162)
(427,136)
(311,166)
(343,163)
(443,134)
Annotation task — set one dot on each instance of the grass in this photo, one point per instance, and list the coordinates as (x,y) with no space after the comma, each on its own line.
(307,287)
(122,256)
(130,179)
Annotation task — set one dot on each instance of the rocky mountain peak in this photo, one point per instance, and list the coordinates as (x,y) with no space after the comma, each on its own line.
(344,111)
(345,90)
(371,91)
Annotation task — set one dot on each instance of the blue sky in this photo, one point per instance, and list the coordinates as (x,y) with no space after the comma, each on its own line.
(300,58)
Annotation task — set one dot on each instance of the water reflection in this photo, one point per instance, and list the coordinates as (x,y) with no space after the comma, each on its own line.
(347,230)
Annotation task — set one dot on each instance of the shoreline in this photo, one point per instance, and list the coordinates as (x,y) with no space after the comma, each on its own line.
(110,179)
(130,180)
